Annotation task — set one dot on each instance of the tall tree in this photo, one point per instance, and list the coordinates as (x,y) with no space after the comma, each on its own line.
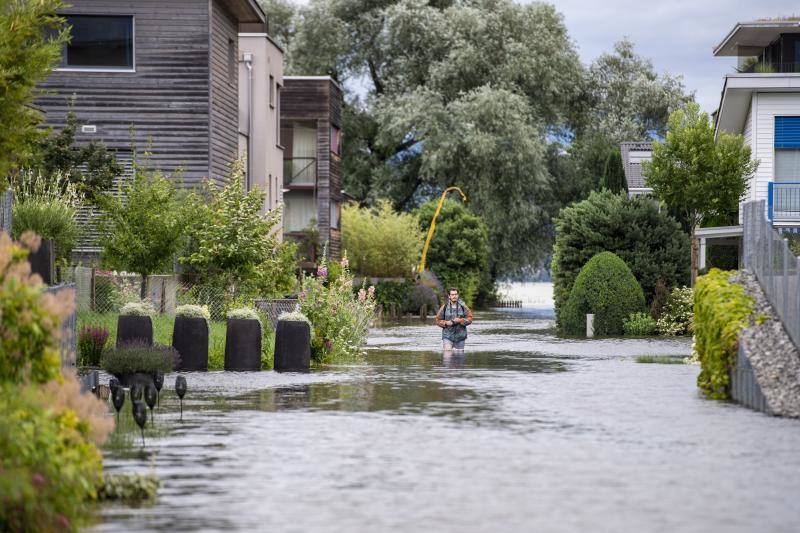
(31,37)
(694,175)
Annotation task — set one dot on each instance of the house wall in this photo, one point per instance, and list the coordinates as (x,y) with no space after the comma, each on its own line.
(767,106)
(267,155)
(224,141)
(165,100)
(747,133)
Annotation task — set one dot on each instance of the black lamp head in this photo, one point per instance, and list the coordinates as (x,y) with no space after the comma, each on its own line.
(113,384)
(136,391)
(140,414)
(180,386)
(118,397)
(158,380)
(150,395)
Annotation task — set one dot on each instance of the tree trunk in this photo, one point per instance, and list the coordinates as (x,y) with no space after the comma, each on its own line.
(694,255)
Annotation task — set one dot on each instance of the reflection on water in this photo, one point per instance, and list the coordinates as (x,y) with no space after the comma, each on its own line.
(524,431)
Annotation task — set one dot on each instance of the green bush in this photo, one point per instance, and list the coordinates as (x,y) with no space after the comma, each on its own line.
(29,321)
(339,318)
(606,287)
(140,357)
(651,243)
(379,241)
(459,249)
(678,313)
(131,488)
(107,296)
(46,207)
(721,310)
(394,295)
(48,467)
(639,325)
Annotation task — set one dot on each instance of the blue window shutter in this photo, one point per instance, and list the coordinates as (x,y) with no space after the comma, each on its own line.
(787,132)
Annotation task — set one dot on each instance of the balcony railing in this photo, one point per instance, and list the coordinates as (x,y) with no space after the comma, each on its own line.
(783,201)
(767,67)
(299,171)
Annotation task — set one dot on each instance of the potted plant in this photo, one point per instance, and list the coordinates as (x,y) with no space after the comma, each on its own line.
(139,361)
(190,336)
(243,340)
(293,343)
(135,323)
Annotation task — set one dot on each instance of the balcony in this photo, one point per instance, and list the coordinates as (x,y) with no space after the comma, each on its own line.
(300,173)
(783,201)
(766,67)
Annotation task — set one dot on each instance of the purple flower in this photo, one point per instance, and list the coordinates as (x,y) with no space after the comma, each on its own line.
(322,271)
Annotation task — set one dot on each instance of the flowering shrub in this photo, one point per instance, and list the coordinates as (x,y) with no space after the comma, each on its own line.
(340,321)
(678,313)
(91,343)
(244,313)
(193,311)
(137,309)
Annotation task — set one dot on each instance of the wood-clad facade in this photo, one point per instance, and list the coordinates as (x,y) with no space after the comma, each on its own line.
(312,172)
(179,101)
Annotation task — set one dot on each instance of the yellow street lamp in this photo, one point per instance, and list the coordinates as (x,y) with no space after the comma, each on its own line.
(421,266)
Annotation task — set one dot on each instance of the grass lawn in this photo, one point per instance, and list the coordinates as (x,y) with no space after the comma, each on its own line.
(660,359)
(162,334)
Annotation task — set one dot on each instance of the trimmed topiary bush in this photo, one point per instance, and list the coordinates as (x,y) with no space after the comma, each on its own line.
(651,243)
(721,310)
(139,357)
(607,288)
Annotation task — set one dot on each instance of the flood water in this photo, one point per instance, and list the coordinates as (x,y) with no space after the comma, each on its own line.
(526,432)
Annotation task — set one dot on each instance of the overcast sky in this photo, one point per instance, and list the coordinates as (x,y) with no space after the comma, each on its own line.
(678,35)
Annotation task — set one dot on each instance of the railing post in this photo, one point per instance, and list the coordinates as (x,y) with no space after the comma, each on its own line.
(770,199)
(786,279)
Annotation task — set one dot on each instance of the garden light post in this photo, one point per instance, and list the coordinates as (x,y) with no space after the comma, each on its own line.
(421,266)
(180,390)
(150,395)
(158,381)
(118,398)
(140,415)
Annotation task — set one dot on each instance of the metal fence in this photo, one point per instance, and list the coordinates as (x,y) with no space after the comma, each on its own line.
(5,212)
(768,256)
(69,327)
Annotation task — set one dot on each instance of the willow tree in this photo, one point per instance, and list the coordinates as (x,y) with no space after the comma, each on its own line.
(31,37)
(696,176)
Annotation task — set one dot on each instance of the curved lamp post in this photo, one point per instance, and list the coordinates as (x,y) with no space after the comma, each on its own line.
(421,266)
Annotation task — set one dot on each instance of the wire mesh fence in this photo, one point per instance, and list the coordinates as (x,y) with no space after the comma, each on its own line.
(69,327)
(105,292)
(768,255)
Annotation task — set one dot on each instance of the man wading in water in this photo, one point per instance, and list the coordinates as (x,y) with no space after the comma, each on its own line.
(454,317)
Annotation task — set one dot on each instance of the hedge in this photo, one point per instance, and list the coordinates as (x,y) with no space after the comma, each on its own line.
(606,287)
(721,310)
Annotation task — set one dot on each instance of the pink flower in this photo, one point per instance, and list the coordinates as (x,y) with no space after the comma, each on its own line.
(329,345)
(345,263)
(371,291)
(362,295)
(303,295)
(322,271)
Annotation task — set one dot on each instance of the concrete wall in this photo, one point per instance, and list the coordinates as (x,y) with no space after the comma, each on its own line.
(266,157)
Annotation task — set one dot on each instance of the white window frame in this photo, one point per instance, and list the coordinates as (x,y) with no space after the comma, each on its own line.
(105,69)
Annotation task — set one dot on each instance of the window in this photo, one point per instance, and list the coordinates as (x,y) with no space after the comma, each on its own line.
(787,149)
(99,42)
(231,62)
(272,92)
(278,115)
(336,211)
(336,140)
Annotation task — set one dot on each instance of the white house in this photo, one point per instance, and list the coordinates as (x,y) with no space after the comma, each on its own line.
(633,155)
(762,102)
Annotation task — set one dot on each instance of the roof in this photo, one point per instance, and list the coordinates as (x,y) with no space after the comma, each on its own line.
(748,38)
(633,153)
(316,78)
(246,10)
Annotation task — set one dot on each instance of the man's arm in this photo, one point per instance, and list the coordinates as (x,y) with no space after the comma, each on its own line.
(468,320)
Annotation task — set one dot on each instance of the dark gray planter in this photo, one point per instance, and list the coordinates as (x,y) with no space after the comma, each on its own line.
(43,262)
(292,346)
(128,379)
(134,328)
(243,345)
(190,338)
